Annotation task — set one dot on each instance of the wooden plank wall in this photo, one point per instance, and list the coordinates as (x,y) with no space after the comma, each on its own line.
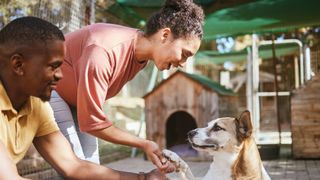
(305,124)
(229,106)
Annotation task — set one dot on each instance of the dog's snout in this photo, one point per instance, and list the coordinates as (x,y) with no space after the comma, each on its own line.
(192,133)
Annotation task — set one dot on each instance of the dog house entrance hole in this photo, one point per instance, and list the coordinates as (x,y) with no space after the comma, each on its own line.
(177,128)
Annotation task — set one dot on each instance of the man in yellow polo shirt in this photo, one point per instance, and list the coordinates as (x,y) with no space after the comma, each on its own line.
(31,52)
(18,129)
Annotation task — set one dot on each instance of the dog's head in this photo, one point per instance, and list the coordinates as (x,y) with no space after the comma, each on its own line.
(222,133)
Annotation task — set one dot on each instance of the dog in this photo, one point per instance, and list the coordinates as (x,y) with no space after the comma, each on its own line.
(232,145)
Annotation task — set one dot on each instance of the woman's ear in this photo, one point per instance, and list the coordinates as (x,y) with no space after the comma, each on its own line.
(17,63)
(165,33)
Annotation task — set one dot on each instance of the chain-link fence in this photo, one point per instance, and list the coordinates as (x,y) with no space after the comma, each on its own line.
(68,15)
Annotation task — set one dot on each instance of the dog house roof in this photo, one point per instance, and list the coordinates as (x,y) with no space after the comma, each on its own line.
(202,80)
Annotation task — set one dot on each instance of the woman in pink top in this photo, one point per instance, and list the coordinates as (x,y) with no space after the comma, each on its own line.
(101,58)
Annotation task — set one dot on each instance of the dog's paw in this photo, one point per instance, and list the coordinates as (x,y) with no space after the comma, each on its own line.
(170,155)
(175,159)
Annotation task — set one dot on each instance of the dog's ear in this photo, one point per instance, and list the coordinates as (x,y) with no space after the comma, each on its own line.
(244,125)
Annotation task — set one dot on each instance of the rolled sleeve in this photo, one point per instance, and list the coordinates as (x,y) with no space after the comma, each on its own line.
(47,123)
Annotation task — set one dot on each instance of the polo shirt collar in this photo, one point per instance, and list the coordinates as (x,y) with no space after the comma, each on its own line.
(5,103)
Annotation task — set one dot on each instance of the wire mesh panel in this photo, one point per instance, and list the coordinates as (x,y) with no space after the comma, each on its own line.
(68,15)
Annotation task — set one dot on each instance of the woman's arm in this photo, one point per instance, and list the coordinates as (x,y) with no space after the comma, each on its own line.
(118,136)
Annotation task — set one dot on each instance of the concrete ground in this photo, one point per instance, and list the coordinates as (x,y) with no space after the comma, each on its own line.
(282,169)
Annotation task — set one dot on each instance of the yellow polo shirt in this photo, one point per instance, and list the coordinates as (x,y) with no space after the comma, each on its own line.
(18,129)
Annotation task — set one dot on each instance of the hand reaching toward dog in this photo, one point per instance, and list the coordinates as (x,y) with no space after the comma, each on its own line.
(155,155)
(155,175)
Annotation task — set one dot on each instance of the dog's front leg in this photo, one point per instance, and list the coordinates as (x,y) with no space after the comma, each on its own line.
(181,167)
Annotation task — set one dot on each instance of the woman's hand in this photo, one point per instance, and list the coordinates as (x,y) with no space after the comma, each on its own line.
(155,155)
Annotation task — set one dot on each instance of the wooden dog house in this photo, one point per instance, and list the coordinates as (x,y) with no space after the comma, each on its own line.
(184,102)
(305,123)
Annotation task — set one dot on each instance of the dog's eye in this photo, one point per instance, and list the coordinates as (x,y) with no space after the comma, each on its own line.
(217,128)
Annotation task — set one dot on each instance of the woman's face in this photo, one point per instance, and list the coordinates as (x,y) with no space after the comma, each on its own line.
(172,52)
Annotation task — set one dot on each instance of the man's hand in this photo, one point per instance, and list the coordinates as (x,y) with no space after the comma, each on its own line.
(155,155)
(155,175)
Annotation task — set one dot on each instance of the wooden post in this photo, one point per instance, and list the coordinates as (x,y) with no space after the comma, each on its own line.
(255,84)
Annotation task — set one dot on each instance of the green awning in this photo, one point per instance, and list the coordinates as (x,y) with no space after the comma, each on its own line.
(262,16)
(265,52)
(210,84)
(136,12)
(256,16)
(202,80)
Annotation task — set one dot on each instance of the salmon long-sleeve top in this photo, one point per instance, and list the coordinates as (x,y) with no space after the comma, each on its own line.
(100,59)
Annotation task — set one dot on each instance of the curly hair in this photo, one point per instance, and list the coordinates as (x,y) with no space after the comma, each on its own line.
(29,29)
(183,17)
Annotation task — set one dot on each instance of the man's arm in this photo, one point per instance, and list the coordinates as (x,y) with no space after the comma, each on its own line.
(8,169)
(118,136)
(57,151)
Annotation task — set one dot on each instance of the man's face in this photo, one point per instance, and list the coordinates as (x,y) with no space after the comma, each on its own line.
(42,69)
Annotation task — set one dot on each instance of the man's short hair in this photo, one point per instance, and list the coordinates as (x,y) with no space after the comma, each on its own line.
(29,29)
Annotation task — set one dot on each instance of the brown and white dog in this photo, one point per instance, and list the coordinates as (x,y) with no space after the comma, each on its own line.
(232,145)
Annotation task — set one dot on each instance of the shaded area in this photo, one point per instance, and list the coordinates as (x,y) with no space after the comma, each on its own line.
(177,128)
